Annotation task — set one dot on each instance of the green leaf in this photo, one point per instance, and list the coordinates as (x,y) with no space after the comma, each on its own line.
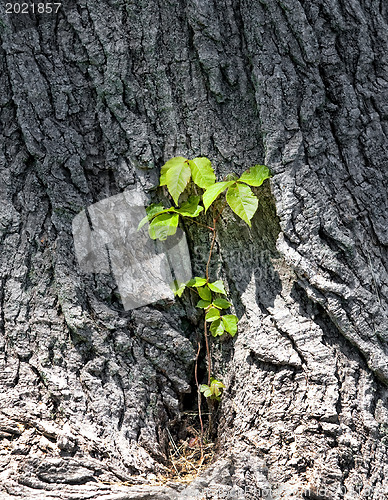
(203,304)
(202,172)
(213,191)
(213,391)
(179,289)
(196,282)
(216,387)
(163,225)
(217,328)
(216,383)
(177,178)
(190,208)
(242,201)
(205,293)
(152,211)
(178,160)
(230,323)
(218,287)
(255,176)
(212,315)
(222,303)
(207,392)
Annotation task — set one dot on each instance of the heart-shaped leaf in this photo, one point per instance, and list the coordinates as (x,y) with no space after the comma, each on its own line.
(242,201)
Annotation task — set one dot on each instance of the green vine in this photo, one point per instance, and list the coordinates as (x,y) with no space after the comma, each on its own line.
(163,222)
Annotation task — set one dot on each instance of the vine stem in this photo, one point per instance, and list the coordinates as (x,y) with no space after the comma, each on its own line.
(198,223)
(209,370)
(220,212)
(211,248)
(209,361)
(199,397)
(213,229)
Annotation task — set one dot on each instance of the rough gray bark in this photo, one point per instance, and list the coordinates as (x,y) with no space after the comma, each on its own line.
(94,104)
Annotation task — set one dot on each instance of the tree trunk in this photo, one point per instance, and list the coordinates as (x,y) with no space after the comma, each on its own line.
(93,101)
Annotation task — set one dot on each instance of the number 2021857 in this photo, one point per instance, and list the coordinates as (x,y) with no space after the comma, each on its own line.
(35,8)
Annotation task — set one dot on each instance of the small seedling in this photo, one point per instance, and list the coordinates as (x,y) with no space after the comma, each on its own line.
(214,390)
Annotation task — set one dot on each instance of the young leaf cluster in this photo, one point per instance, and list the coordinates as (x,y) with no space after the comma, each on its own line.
(176,174)
(214,390)
(213,306)
(164,221)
